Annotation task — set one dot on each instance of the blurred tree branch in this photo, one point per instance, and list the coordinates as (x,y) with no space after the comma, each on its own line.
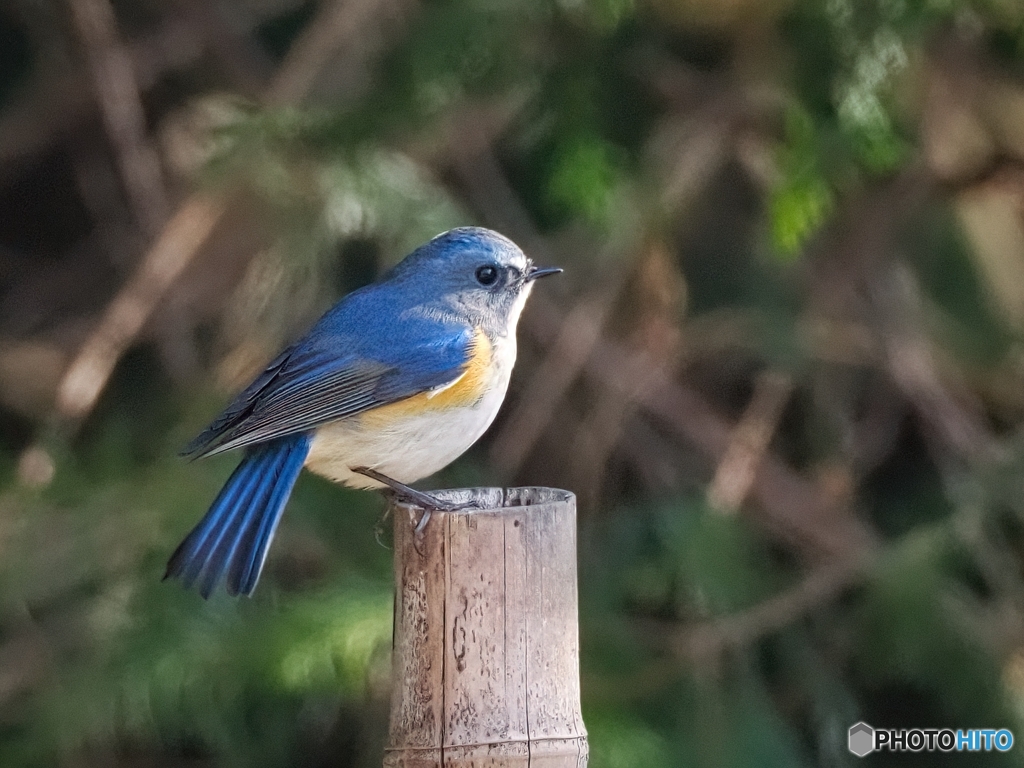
(125,316)
(737,469)
(117,91)
(335,24)
(246,65)
(55,101)
(708,642)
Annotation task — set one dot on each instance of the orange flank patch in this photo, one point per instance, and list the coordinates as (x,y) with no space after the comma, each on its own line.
(466,390)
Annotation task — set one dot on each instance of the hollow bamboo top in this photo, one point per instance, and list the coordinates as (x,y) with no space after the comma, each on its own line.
(495,499)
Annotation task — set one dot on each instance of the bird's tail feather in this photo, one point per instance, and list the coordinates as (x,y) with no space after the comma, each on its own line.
(232,539)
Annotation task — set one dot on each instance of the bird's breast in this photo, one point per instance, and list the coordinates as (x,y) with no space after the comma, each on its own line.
(477,378)
(419,435)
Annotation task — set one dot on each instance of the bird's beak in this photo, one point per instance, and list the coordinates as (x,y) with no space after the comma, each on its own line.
(536,272)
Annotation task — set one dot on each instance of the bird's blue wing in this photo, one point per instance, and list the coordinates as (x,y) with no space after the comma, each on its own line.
(333,373)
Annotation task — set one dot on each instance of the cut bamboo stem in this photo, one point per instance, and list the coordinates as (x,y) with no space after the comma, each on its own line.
(486,643)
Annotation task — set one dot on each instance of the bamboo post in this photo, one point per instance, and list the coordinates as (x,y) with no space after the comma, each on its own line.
(486,639)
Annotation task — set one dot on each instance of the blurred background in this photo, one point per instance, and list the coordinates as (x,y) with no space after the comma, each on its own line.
(783,372)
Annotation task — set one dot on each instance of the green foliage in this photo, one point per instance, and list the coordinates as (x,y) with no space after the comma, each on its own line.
(847,122)
(618,741)
(582,177)
(145,662)
(802,201)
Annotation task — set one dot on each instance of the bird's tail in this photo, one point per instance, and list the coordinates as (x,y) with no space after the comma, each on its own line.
(232,540)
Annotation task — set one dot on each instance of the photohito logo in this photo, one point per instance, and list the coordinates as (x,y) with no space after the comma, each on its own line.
(862,739)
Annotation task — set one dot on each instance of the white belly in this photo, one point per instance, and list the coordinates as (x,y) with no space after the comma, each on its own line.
(411,447)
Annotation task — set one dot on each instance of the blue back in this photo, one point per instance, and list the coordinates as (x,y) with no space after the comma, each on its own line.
(379,344)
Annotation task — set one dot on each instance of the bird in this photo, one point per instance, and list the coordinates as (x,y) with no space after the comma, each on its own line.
(390,385)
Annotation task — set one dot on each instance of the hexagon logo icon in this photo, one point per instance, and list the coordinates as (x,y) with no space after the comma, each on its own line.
(861,739)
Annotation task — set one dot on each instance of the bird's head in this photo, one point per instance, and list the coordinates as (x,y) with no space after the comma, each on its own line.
(475,271)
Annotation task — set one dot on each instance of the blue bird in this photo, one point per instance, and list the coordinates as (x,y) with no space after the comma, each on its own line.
(392,384)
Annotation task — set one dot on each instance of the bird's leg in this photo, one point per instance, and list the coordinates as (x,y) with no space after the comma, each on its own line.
(403,492)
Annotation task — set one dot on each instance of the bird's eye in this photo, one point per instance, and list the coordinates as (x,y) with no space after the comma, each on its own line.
(487,274)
